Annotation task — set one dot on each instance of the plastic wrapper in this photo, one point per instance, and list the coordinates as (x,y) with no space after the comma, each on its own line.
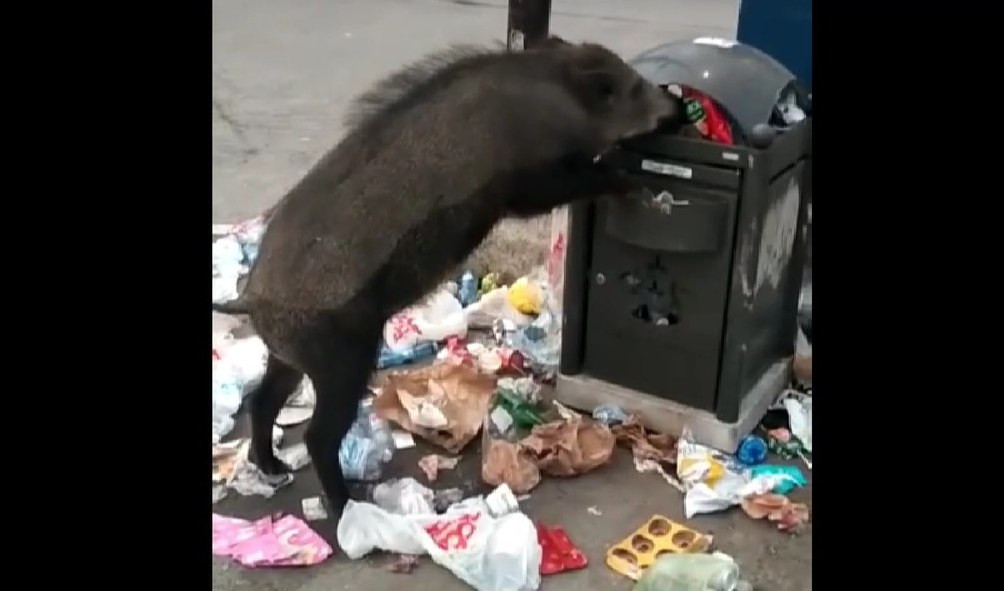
(706,120)
(417,352)
(715,481)
(367,446)
(488,553)
(609,414)
(405,497)
(236,372)
(435,319)
(494,305)
(692,572)
(287,541)
(228,267)
(800,418)
(433,463)
(540,342)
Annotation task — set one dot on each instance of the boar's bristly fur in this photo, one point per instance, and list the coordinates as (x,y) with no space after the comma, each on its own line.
(435,156)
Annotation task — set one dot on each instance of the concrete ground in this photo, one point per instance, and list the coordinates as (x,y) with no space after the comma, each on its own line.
(283,73)
(625,499)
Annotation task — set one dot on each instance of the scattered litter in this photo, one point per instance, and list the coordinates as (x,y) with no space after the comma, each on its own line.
(403,564)
(525,296)
(491,281)
(594,511)
(416,352)
(793,477)
(313,509)
(503,463)
(564,412)
(712,479)
(790,517)
(704,117)
(693,572)
(219,492)
(525,388)
(442,499)
(225,457)
(467,292)
(294,456)
(609,414)
(752,450)
(238,370)
(487,553)
(435,319)
(644,445)
(402,439)
(800,417)
(287,541)
(633,555)
(494,307)
(501,501)
(367,446)
(644,465)
(456,398)
(433,463)
(558,553)
(405,496)
(249,480)
(569,448)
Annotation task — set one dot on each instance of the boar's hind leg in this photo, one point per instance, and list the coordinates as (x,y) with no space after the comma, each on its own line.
(278,383)
(340,373)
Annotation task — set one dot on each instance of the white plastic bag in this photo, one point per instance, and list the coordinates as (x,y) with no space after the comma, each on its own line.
(437,318)
(239,369)
(492,306)
(486,553)
(406,496)
(800,419)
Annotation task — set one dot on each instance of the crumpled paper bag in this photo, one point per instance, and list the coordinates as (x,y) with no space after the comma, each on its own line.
(644,445)
(790,517)
(569,448)
(503,462)
(444,404)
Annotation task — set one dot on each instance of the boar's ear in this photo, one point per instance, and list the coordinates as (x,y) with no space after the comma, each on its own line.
(594,72)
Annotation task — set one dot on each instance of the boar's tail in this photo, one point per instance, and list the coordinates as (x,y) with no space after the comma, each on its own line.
(232,307)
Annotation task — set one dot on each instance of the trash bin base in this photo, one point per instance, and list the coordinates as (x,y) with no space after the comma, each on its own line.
(666,416)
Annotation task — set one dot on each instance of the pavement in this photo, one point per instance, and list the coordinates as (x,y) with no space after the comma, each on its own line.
(283,73)
(597,510)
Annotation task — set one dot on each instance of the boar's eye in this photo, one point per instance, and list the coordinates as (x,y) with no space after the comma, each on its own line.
(636,89)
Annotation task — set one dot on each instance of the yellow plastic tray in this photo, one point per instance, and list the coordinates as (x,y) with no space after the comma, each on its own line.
(660,535)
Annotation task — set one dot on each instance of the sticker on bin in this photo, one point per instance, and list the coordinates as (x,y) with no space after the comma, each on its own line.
(635,553)
(667,169)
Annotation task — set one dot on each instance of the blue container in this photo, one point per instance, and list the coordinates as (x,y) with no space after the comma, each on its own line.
(783,30)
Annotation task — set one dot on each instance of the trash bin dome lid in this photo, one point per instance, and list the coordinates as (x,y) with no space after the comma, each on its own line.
(742,79)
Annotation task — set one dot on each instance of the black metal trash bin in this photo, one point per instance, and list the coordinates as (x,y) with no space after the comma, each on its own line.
(689,293)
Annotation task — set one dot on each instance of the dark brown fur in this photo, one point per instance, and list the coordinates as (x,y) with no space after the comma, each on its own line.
(437,154)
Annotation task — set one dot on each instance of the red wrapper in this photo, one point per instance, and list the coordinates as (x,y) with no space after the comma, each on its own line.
(559,554)
(718,129)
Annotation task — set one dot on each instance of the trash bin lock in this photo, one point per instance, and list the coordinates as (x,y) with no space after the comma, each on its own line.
(703,267)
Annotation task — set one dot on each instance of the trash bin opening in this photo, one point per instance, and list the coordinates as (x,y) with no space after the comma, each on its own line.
(705,117)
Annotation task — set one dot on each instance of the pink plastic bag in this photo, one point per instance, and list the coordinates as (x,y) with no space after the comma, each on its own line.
(287,541)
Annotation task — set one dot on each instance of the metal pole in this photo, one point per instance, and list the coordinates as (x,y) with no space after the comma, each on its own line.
(528,23)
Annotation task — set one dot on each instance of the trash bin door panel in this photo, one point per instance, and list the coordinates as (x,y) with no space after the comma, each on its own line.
(650,323)
(675,219)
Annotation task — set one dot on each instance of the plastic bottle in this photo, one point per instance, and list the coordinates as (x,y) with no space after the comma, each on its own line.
(468,293)
(692,572)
